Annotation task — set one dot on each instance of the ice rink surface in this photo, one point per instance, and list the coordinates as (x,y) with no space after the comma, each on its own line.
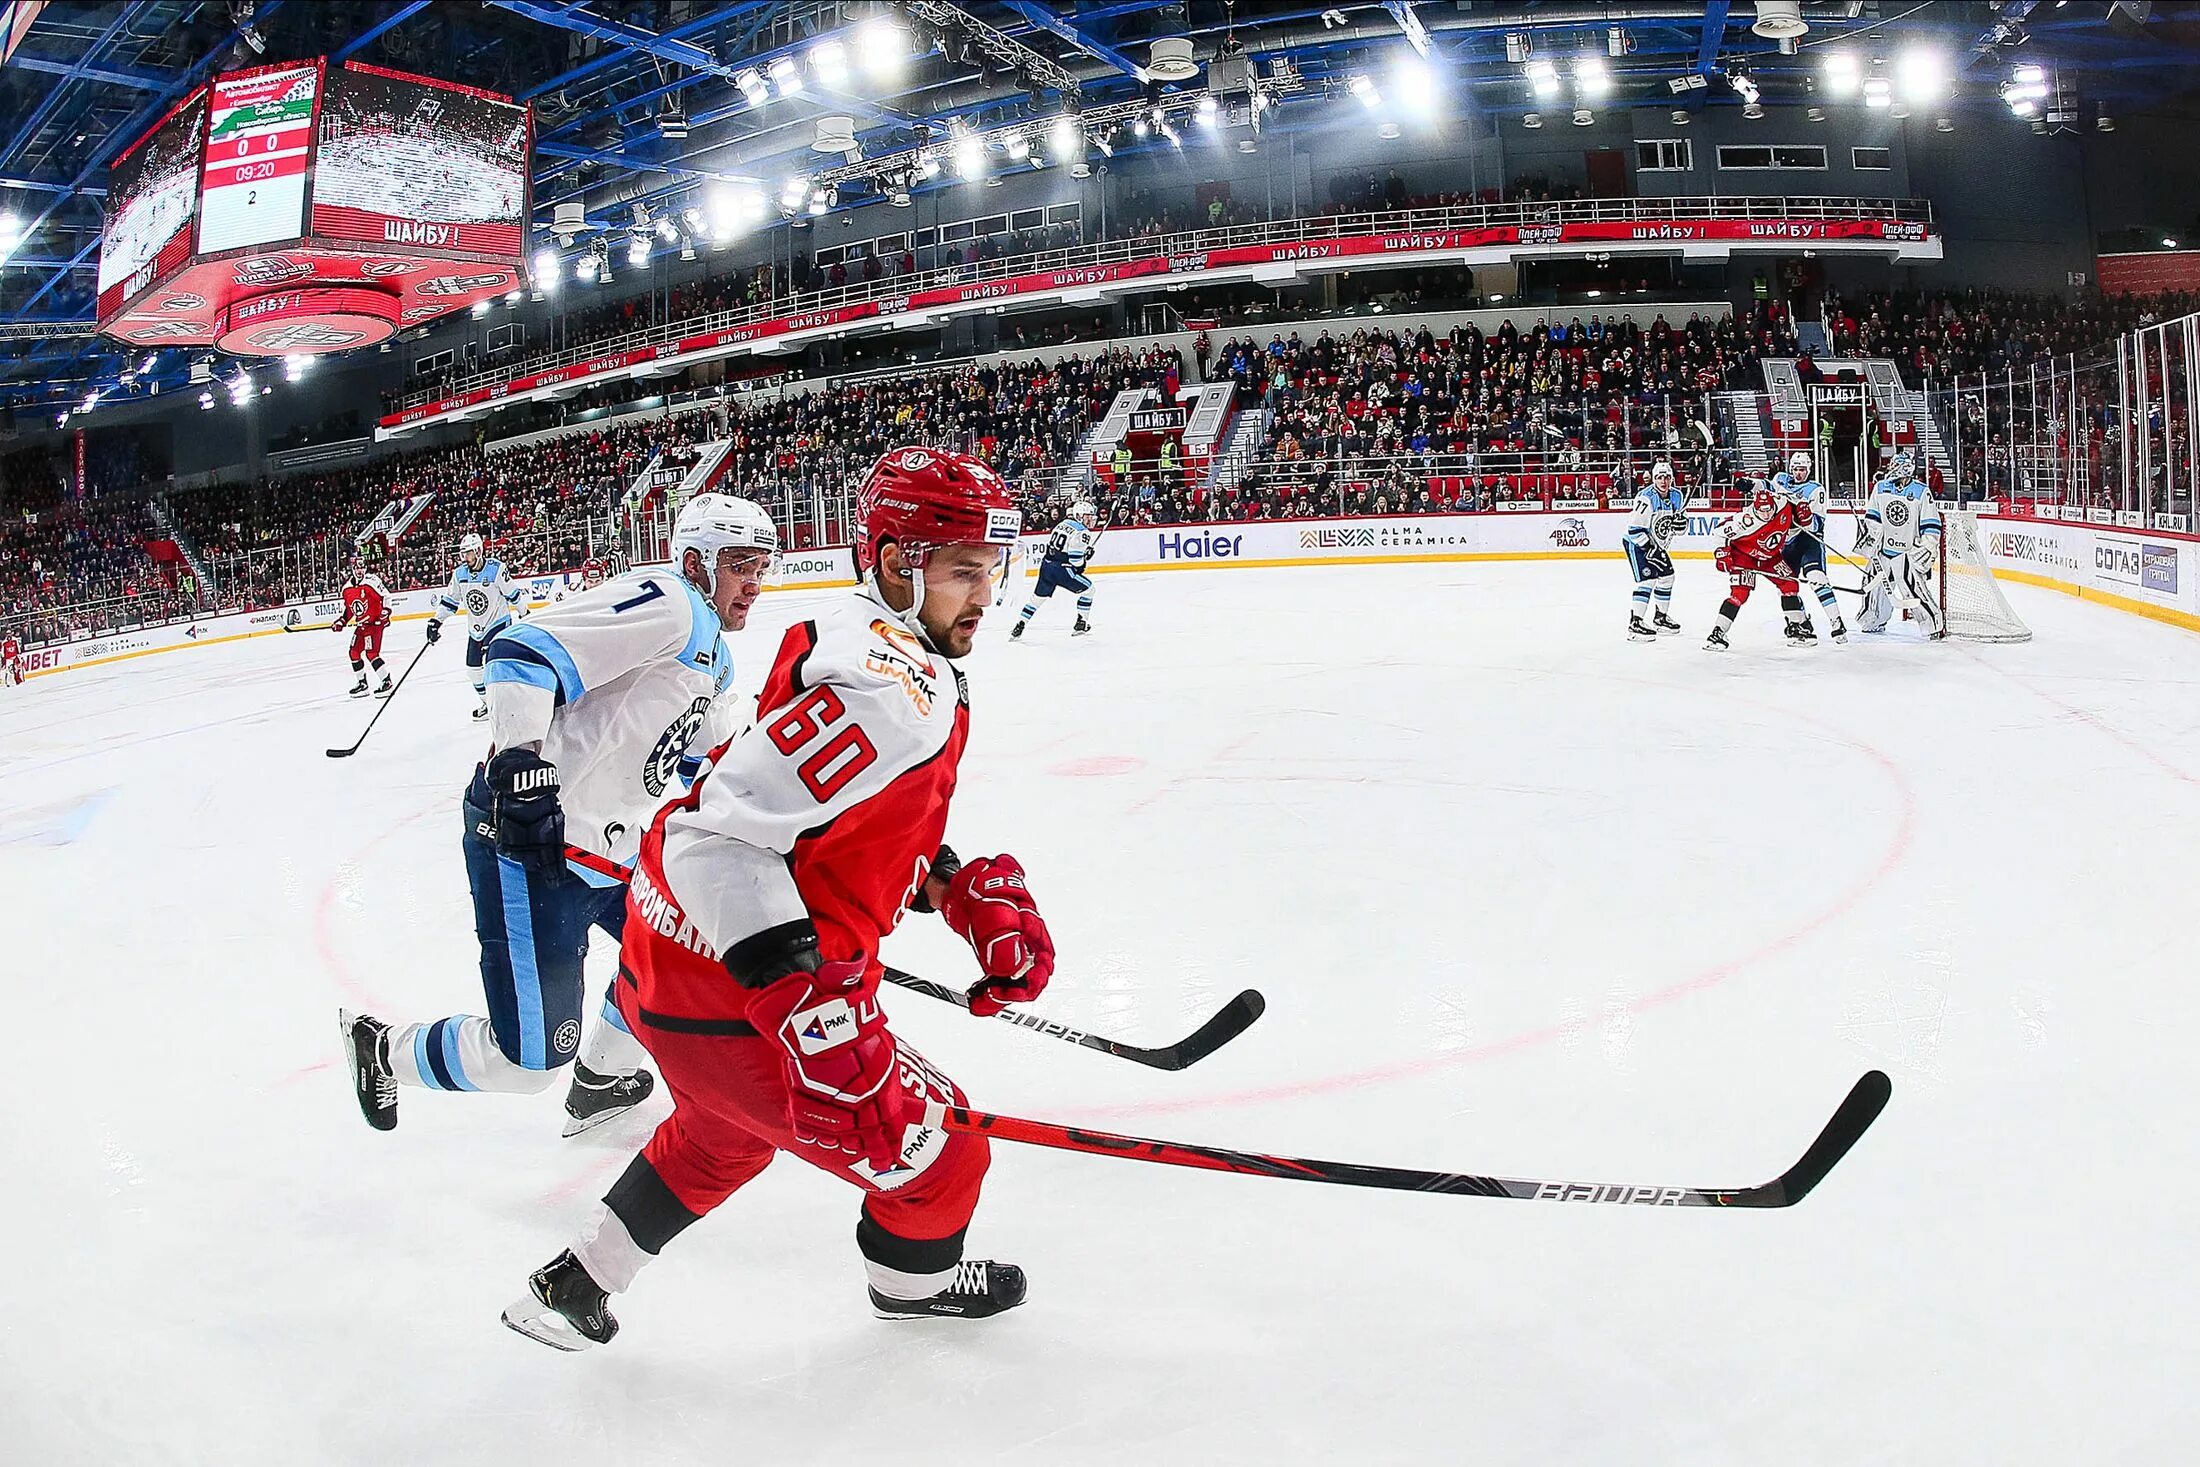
(1524,898)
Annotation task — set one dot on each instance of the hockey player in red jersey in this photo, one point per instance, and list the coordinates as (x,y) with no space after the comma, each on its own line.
(1751,542)
(750,960)
(11,660)
(367,613)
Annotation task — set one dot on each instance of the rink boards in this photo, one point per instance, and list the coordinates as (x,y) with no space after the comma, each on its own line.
(2154,573)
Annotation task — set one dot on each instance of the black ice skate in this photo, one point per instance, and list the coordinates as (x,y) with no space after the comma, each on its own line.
(1841,632)
(1639,630)
(367,1056)
(980,1288)
(1016,631)
(1665,624)
(1802,634)
(481,711)
(1082,626)
(593,1099)
(1716,642)
(359,688)
(563,1307)
(387,687)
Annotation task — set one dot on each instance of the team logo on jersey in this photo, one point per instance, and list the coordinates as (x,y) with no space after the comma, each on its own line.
(477,602)
(1666,526)
(568,1037)
(272,270)
(1895,513)
(461,284)
(664,759)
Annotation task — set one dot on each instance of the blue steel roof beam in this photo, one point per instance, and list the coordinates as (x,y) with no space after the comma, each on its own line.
(2009,12)
(115,75)
(52,99)
(1714,35)
(1068,30)
(632,38)
(39,186)
(678,33)
(90,249)
(376,31)
(678,170)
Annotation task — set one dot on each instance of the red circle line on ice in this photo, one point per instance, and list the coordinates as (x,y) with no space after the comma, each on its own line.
(1896,849)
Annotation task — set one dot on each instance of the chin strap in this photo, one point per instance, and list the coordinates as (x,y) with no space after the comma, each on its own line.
(909,618)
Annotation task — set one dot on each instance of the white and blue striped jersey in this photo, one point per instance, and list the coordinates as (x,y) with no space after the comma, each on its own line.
(488,597)
(1900,516)
(623,686)
(1072,543)
(1657,518)
(1805,492)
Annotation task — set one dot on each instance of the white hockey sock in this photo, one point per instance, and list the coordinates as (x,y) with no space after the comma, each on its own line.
(612,1048)
(895,1284)
(459,1053)
(1664,597)
(608,1251)
(1641,609)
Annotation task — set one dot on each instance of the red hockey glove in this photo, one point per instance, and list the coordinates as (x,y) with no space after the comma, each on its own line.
(989,907)
(842,1091)
(1722,560)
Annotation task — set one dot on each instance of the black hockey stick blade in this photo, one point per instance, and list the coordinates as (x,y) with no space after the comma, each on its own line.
(392,698)
(1866,1099)
(1228,1022)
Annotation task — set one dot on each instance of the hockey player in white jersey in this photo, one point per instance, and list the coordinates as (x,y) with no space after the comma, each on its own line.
(482,588)
(1069,551)
(1900,539)
(1660,513)
(599,711)
(1805,552)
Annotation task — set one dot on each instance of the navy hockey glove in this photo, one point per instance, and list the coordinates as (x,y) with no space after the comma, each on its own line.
(530,826)
(435,632)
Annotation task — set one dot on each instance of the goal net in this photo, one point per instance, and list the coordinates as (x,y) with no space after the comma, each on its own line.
(1972,605)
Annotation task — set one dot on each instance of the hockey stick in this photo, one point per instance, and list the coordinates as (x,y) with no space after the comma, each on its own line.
(392,698)
(1849,1122)
(319,626)
(1233,1019)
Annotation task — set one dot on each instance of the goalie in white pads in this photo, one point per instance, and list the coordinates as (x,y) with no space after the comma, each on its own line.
(1660,513)
(1069,551)
(1900,538)
(600,708)
(1805,552)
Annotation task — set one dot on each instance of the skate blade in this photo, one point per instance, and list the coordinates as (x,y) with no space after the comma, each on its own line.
(529,1316)
(575,1125)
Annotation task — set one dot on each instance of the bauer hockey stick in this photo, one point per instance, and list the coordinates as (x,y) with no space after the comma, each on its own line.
(1233,1019)
(1850,1121)
(392,698)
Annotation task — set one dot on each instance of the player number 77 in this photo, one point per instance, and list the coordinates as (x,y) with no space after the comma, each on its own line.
(836,761)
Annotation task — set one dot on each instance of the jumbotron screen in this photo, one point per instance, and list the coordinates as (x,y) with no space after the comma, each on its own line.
(407,161)
(152,197)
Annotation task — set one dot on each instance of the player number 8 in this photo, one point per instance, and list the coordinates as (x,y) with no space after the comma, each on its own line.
(839,759)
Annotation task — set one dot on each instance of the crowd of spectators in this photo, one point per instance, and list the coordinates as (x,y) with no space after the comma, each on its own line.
(74,568)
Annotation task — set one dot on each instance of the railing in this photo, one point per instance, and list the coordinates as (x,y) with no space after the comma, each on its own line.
(1275,231)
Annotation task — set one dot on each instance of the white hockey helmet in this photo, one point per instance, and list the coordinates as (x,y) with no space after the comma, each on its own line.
(710,523)
(1083,512)
(1662,470)
(470,545)
(1799,465)
(1903,467)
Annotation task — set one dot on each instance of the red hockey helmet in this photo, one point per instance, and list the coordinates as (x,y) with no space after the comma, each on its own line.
(923,498)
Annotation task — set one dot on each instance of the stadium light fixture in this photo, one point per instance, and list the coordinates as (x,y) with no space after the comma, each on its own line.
(296,366)
(11,232)
(1842,74)
(928,166)
(481,308)
(1019,148)
(206,402)
(1208,110)
(2029,75)
(1591,80)
(1064,138)
(2168,243)
(1583,117)
(637,249)
(1542,74)
(1363,87)
(787,77)
(1141,127)
(882,45)
(753,87)
(1878,92)
(1923,74)
(549,265)
(829,59)
(969,157)
(1531,119)
(794,192)
(667,230)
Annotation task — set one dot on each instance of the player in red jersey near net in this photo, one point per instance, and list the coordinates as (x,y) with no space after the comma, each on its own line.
(1751,542)
(750,962)
(11,660)
(367,613)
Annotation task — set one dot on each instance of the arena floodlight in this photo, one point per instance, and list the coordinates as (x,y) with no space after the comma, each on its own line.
(1591,79)
(969,157)
(1208,110)
(1065,139)
(928,166)
(2168,243)
(1923,74)
(787,76)
(2029,75)
(480,309)
(794,192)
(753,87)
(1019,148)
(548,266)
(1878,92)
(11,232)
(882,45)
(1841,74)
(829,59)
(1542,74)
(1363,87)
(1415,81)
(637,249)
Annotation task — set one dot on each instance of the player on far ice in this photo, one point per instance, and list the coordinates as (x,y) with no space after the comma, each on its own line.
(1660,513)
(597,707)
(1750,546)
(367,613)
(592,576)
(1069,551)
(1806,548)
(1900,540)
(11,660)
(490,598)
(750,968)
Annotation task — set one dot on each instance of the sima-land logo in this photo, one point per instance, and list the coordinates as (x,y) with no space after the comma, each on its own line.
(1572,533)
